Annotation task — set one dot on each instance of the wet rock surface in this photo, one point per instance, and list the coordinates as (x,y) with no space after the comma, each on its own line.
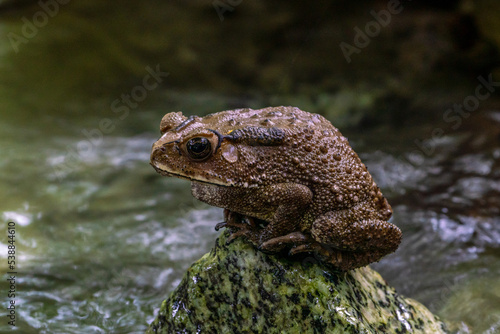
(237,289)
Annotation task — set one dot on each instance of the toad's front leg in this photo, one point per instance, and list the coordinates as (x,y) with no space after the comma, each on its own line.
(276,209)
(285,203)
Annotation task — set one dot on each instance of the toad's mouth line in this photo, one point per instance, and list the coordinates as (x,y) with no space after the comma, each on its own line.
(185,177)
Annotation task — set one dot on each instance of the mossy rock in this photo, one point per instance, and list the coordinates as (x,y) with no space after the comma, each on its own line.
(238,289)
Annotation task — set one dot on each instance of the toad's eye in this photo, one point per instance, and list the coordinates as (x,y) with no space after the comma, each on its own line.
(198,148)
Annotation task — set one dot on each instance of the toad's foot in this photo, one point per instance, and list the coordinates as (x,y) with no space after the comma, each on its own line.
(345,261)
(338,259)
(294,239)
(239,225)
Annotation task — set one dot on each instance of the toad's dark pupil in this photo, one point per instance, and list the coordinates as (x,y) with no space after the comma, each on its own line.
(198,148)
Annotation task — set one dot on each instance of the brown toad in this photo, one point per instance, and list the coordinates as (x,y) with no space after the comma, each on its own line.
(287,178)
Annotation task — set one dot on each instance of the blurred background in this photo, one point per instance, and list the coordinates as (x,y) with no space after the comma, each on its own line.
(102,239)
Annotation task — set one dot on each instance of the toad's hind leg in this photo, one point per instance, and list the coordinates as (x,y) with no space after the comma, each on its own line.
(354,243)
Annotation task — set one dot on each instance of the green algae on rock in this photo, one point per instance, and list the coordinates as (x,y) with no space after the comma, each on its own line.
(238,289)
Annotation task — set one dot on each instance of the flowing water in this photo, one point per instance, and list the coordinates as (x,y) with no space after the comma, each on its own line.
(101,239)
